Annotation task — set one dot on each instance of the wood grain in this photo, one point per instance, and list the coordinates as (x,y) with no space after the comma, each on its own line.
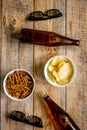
(77,28)
(13,54)
(42,54)
(0,52)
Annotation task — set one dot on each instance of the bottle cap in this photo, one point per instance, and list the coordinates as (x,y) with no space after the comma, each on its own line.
(77,42)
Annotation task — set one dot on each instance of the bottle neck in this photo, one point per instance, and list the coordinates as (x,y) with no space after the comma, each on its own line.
(57,39)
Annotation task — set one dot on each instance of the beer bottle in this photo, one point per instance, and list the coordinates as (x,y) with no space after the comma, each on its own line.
(45,38)
(60,119)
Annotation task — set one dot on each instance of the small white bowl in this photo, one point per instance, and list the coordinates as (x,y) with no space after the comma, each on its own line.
(50,80)
(14,98)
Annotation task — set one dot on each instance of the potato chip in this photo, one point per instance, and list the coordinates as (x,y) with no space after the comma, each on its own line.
(65,71)
(64,81)
(52,77)
(50,68)
(61,64)
(56,75)
(55,61)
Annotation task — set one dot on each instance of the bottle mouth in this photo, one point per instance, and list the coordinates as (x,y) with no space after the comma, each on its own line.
(45,95)
(77,42)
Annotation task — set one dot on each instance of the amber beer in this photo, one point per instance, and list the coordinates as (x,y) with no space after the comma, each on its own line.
(45,38)
(60,119)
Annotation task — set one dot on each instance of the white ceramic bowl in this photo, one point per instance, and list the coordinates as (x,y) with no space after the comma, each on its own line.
(50,80)
(14,98)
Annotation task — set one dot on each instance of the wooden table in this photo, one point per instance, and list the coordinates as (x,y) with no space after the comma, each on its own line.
(31,57)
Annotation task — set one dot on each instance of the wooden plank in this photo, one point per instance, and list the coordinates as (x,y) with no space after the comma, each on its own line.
(0,52)
(0,27)
(7,64)
(15,55)
(42,54)
(76,92)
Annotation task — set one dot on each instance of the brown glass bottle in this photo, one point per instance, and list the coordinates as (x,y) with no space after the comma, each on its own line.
(60,118)
(45,38)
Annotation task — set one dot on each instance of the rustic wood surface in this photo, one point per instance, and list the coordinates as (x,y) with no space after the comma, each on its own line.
(73,24)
